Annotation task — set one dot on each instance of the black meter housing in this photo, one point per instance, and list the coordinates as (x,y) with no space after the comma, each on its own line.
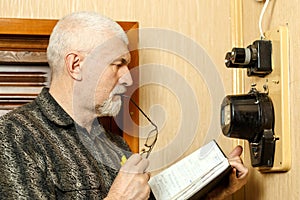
(251,117)
(257,58)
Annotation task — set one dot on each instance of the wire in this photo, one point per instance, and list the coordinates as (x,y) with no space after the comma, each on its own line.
(262,36)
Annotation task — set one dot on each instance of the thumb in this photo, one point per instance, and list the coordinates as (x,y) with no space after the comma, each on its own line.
(237,151)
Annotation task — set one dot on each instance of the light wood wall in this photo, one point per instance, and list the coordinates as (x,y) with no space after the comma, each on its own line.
(207,23)
(279,13)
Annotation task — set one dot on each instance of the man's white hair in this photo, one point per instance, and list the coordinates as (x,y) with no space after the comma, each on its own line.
(81,32)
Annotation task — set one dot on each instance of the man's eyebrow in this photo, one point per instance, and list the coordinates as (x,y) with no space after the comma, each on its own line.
(122,60)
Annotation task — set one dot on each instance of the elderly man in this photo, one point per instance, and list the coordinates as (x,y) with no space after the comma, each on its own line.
(54,147)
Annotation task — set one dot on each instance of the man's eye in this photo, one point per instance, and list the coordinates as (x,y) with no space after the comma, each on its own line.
(119,65)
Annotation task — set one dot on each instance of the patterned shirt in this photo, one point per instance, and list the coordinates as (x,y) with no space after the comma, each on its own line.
(44,154)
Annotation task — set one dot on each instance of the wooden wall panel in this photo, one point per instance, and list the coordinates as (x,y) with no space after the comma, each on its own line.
(279,13)
(202,21)
(207,23)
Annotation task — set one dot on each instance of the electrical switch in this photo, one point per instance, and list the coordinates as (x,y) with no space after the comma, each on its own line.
(257,58)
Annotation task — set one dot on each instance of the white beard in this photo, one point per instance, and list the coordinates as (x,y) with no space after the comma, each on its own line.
(112,105)
(109,108)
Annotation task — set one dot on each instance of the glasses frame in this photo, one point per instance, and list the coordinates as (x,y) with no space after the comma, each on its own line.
(146,145)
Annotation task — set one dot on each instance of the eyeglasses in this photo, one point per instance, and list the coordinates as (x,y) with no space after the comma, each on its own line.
(150,141)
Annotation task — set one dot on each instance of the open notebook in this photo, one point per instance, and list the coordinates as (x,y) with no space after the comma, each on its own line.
(193,176)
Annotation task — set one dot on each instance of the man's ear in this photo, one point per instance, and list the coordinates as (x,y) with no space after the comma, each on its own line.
(73,64)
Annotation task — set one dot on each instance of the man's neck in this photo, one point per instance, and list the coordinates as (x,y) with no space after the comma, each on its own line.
(64,96)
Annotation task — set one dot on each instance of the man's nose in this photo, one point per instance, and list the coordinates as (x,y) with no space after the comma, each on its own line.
(126,79)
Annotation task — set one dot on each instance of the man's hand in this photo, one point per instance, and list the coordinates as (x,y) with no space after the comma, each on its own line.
(131,181)
(237,178)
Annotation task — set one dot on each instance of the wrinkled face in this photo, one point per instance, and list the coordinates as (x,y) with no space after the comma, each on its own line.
(113,83)
(105,76)
(101,76)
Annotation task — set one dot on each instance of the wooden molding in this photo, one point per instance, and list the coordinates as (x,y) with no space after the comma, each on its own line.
(12,57)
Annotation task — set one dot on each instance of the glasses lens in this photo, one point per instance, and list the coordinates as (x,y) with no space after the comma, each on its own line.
(150,142)
(152,135)
(151,138)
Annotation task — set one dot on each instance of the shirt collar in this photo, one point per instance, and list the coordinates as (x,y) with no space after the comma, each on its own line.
(52,110)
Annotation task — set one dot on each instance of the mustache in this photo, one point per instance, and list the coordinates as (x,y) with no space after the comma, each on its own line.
(118,90)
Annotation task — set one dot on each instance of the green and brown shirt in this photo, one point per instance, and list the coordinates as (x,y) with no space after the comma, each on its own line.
(44,154)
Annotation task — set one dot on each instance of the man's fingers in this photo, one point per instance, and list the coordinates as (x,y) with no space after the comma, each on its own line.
(237,151)
(134,159)
(241,170)
(135,164)
(143,165)
(148,175)
(237,163)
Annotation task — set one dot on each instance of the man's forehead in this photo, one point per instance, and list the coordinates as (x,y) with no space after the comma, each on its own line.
(111,49)
(113,44)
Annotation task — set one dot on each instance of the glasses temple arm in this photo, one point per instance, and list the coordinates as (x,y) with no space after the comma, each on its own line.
(141,110)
